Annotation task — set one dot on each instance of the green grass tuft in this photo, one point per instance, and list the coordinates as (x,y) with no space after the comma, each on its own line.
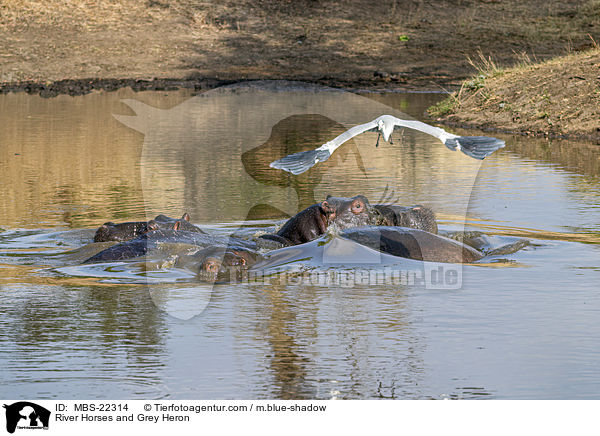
(444,107)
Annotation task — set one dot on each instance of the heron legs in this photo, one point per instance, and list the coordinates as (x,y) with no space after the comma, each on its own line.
(379,136)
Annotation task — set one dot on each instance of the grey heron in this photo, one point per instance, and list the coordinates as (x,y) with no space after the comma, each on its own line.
(477,147)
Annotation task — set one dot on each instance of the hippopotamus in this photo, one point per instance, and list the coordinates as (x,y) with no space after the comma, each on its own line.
(347,213)
(314,220)
(166,240)
(415,217)
(125,231)
(219,263)
(165,222)
(412,244)
(120,232)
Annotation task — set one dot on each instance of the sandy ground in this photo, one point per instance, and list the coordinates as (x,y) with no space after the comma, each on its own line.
(72,46)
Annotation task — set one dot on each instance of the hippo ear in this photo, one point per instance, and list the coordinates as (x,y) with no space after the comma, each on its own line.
(363,198)
(152,225)
(186,216)
(176,225)
(239,255)
(328,197)
(326,207)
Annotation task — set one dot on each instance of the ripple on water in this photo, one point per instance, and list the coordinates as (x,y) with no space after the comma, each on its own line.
(521,324)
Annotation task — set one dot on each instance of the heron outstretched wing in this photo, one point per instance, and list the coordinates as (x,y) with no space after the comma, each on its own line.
(298,163)
(477,147)
(439,133)
(349,134)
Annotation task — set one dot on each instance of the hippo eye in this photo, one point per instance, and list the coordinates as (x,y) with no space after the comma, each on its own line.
(357,207)
(211,266)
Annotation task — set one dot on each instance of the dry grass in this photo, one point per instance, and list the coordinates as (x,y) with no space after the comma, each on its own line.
(72,12)
(559,96)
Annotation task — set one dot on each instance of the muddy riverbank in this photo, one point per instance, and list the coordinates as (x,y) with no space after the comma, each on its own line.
(557,98)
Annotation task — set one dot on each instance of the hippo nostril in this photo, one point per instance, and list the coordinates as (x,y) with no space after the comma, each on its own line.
(211,266)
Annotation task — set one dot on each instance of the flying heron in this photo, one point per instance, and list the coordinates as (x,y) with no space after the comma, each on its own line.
(477,147)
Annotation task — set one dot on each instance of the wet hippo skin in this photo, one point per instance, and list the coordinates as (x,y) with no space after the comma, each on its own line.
(412,244)
(220,263)
(165,240)
(314,220)
(415,217)
(120,232)
(125,231)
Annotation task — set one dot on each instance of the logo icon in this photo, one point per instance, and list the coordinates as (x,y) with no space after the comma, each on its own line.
(26,415)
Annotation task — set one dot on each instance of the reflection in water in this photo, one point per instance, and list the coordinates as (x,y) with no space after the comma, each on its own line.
(68,158)
(287,364)
(346,343)
(291,135)
(580,157)
(67,162)
(191,153)
(54,341)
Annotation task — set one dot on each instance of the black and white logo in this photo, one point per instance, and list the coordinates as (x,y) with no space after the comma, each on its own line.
(26,415)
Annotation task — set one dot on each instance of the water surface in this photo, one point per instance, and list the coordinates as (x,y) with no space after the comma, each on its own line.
(522,325)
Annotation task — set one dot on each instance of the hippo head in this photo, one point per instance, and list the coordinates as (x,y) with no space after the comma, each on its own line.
(223,263)
(347,212)
(163,222)
(120,232)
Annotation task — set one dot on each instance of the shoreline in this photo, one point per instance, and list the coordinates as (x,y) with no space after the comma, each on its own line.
(73,87)
(72,48)
(77,87)
(579,137)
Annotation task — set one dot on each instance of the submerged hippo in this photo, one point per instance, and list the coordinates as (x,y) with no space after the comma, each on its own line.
(120,232)
(220,263)
(183,223)
(168,242)
(125,231)
(414,217)
(314,220)
(412,244)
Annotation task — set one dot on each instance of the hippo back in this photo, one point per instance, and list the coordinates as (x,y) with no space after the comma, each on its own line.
(415,217)
(412,244)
